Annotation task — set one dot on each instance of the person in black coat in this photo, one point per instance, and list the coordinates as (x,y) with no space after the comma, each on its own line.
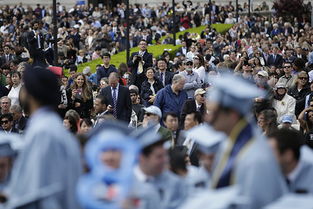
(138,63)
(275,58)
(80,96)
(150,87)
(122,108)
(194,105)
(35,41)
(163,74)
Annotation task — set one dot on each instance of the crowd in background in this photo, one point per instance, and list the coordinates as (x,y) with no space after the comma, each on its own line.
(269,52)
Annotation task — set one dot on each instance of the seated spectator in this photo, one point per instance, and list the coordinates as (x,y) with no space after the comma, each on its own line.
(153,115)
(6,121)
(194,105)
(7,156)
(150,87)
(283,103)
(299,90)
(136,106)
(288,79)
(19,120)
(171,122)
(5,104)
(85,126)
(267,121)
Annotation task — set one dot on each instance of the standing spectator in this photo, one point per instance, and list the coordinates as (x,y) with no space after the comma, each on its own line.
(101,108)
(80,96)
(36,44)
(172,97)
(150,87)
(198,67)
(192,79)
(118,97)
(139,62)
(162,74)
(16,87)
(106,69)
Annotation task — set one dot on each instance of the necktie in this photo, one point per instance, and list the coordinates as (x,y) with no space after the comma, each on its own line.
(162,79)
(114,103)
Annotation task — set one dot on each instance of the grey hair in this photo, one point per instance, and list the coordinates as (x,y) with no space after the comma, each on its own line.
(177,78)
(16,108)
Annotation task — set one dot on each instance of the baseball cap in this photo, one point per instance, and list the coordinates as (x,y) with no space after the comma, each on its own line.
(200,91)
(153,110)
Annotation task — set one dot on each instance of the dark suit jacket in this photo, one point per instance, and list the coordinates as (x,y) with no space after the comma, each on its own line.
(137,79)
(123,105)
(277,62)
(168,77)
(190,106)
(5,60)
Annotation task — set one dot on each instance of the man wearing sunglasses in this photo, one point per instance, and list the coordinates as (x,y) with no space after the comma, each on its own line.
(6,121)
(288,79)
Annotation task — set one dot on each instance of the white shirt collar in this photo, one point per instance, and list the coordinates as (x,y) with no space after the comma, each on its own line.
(140,175)
(293,175)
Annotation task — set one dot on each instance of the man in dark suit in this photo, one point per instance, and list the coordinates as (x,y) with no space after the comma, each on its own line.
(139,62)
(184,49)
(118,97)
(275,58)
(6,121)
(194,105)
(36,44)
(7,56)
(300,54)
(162,74)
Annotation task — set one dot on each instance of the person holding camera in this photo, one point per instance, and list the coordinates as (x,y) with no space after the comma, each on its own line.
(139,62)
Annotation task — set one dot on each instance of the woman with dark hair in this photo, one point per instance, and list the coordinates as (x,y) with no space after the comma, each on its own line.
(71,121)
(267,121)
(85,125)
(16,86)
(150,87)
(80,96)
(306,123)
(198,66)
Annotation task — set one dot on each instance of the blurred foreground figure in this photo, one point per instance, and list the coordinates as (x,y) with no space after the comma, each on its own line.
(297,171)
(245,159)
(46,171)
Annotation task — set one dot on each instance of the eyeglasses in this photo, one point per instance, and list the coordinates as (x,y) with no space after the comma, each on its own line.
(303,78)
(202,95)
(287,67)
(4,122)
(188,64)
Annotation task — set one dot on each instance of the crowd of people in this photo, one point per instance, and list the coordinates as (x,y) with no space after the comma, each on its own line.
(156,132)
